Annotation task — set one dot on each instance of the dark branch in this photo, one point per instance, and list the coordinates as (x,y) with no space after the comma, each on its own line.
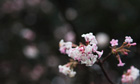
(101,65)
(106,57)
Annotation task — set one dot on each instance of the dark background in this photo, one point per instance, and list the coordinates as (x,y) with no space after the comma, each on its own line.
(30,31)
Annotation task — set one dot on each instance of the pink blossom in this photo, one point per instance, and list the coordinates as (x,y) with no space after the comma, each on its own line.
(99,53)
(89,37)
(114,42)
(128,39)
(121,64)
(62,50)
(83,53)
(75,54)
(93,41)
(88,49)
(66,70)
(64,46)
(81,48)
(131,75)
(95,47)
(89,60)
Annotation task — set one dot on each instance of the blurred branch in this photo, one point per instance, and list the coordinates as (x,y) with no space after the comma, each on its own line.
(102,68)
(106,57)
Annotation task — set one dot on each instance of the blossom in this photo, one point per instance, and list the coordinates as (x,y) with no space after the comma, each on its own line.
(89,37)
(93,41)
(114,42)
(89,60)
(75,54)
(64,46)
(123,49)
(94,47)
(88,49)
(128,39)
(99,53)
(66,70)
(131,75)
(72,73)
(85,54)
(63,69)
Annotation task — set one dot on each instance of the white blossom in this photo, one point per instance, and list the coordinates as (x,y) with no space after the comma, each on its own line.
(75,53)
(64,46)
(72,73)
(128,39)
(63,69)
(131,75)
(88,49)
(90,38)
(89,60)
(99,53)
(82,53)
(114,42)
(95,47)
(66,70)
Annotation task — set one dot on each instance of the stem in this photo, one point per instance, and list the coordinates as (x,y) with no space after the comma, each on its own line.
(106,57)
(101,65)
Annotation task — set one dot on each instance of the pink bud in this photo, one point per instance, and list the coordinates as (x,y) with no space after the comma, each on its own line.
(129,70)
(133,44)
(125,53)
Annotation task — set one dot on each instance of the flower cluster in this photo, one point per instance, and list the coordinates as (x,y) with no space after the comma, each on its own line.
(131,75)
(82,53)
(85,54)
(66,70)
(122,49)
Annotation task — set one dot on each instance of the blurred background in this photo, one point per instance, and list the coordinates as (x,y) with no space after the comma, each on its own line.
(30,31)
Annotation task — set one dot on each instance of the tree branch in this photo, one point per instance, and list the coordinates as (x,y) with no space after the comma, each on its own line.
(106,57)
(101,65)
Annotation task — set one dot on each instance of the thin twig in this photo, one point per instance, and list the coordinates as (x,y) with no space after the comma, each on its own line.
(101,65)
(106,57)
